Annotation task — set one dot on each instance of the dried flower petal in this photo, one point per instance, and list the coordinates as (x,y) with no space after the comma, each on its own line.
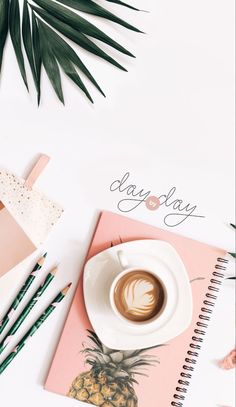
(229,362)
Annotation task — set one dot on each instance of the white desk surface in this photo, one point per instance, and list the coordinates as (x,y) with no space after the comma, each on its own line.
(169,122)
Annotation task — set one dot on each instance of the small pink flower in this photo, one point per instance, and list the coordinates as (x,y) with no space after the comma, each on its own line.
(229,362)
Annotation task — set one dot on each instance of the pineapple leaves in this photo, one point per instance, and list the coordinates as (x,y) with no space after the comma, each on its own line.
(4,10)
(94,338)
(40,37)
(117,357)
(117,366)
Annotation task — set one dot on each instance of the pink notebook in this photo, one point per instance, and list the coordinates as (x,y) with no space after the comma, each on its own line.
(167,382)
(15,245)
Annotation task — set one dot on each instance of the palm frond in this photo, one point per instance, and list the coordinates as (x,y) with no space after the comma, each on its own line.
(28,42)
(15,32)
(79,23)
(49,62)
(4,24)
(61,48)
(76,36)
(121,3)
(43,33)
(90,7)
(37,54)
(232,254)
(63,60)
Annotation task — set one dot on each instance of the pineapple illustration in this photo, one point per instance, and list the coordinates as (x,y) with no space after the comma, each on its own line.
(109,382)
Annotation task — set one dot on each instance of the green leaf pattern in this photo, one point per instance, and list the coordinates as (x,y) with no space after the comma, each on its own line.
(37,35)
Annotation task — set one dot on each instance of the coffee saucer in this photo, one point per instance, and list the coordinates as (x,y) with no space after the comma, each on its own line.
(164,261)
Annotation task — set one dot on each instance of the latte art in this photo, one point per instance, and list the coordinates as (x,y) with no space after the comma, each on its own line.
(139,296)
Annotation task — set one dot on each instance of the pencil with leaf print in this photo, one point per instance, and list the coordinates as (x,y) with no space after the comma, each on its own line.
(34,328)
(29,306)
(13,307)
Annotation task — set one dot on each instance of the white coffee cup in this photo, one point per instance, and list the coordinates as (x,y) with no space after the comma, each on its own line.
(142,289)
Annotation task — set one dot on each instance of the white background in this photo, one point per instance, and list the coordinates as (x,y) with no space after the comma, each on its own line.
(170,122)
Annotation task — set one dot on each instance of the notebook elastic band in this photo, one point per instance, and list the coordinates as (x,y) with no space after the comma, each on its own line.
(36,171)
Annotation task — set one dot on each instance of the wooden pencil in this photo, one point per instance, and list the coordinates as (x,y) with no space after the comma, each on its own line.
(13,307)
(34,328)
(27,309)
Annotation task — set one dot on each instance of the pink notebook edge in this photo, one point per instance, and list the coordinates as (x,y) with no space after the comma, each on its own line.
(73,298)
(27,245)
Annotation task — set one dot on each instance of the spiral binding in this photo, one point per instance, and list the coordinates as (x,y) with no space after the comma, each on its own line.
(199,332)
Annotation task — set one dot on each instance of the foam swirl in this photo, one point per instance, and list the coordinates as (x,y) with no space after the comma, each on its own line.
(139,297)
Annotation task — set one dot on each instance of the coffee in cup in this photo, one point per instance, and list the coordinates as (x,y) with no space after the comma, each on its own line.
(139,296)
(136,294)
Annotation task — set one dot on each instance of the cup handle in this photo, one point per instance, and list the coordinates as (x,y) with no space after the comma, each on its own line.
(122,259)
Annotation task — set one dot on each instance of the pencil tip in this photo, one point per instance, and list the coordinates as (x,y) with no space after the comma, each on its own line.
(41,260)
(54,271)
(66,289)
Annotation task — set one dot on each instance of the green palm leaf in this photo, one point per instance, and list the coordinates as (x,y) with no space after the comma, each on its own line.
(233,254)
(37,54)
(28,43)
(64,53)
(78,23)
(50,63)
(121,3)
(41,31)
(76,36)
(14,24)
(65,62)
(4,10)
(90,7)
